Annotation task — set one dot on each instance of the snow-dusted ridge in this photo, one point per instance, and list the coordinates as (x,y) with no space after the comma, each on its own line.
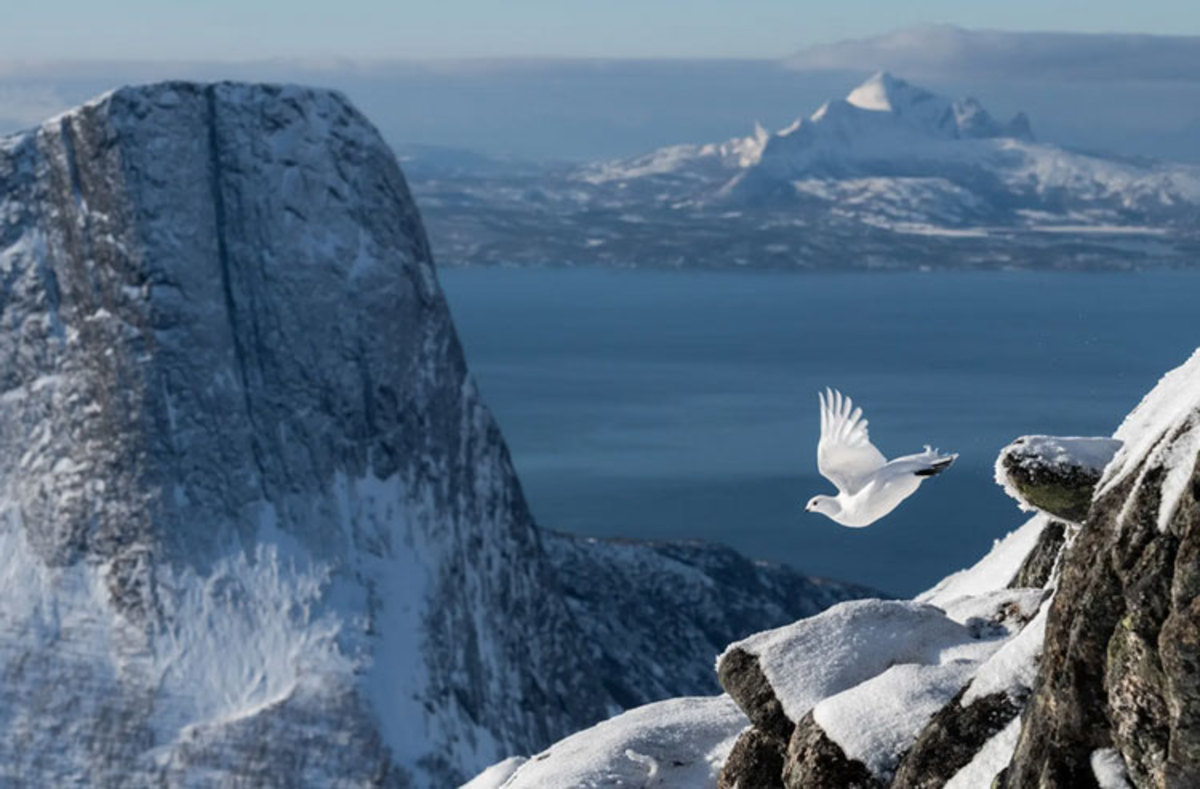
(256,524)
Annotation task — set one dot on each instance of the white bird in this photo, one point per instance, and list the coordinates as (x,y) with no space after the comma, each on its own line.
(869,485)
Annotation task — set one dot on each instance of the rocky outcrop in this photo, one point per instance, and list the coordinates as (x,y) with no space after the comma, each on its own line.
(897,694)
(256,524)
(837,692)
(1122,647)
(1054,475)
(756,762)
(952,738)
(742,677)
(815,760)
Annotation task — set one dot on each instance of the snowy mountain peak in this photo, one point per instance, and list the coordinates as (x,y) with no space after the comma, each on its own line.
(882,92)
(915,106)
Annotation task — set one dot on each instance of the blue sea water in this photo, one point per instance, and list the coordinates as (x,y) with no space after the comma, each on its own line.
(660,404)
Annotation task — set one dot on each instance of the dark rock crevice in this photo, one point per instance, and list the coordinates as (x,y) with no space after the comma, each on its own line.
(228,286)
(952,738)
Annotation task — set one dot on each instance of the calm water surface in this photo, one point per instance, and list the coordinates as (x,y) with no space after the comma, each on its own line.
(683,405)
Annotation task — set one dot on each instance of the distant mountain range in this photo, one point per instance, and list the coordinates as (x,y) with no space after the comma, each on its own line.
(891,176)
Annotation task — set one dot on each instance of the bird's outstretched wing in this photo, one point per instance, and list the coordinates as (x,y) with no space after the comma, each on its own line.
(845,454)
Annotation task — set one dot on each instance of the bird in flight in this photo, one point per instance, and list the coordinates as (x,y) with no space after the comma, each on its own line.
(869,485)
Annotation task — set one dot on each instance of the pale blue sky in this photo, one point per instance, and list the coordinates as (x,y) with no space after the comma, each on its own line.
(370,29)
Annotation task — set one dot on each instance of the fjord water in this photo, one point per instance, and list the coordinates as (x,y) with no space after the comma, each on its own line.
(683,405)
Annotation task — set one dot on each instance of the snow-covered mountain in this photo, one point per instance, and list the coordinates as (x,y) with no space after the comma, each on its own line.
(256,525)
(1065,658)
(891,175)
(883,126)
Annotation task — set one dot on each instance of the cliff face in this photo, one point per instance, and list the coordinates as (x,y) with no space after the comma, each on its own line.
(246,479)
(1120,678)
(255,522)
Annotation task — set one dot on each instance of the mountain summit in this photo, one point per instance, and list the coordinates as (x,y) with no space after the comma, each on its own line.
(885,93)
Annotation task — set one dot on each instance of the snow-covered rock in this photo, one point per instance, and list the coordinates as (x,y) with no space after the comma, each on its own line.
(256,524)
(877,693)
(834,651)
(1054,474)
(675,744)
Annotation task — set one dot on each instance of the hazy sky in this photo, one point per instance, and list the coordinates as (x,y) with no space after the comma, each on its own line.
(252,29)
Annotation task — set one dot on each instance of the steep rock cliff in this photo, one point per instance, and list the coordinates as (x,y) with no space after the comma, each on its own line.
(255,522)
(1120,678)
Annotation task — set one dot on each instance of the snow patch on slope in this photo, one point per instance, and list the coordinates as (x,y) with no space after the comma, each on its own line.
(993,757)
(1012,669)
(877,720)
(994,571)
(676,744)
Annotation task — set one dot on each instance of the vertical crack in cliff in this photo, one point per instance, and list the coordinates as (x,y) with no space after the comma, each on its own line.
(223,259)
(68,142)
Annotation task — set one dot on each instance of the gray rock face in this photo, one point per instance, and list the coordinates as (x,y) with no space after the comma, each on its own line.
(244,465)
(1121,645)
(756,762)
(256,524)
(814,760)
(1037,568)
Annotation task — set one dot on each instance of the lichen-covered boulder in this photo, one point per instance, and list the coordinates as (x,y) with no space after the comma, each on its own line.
(1053,474)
